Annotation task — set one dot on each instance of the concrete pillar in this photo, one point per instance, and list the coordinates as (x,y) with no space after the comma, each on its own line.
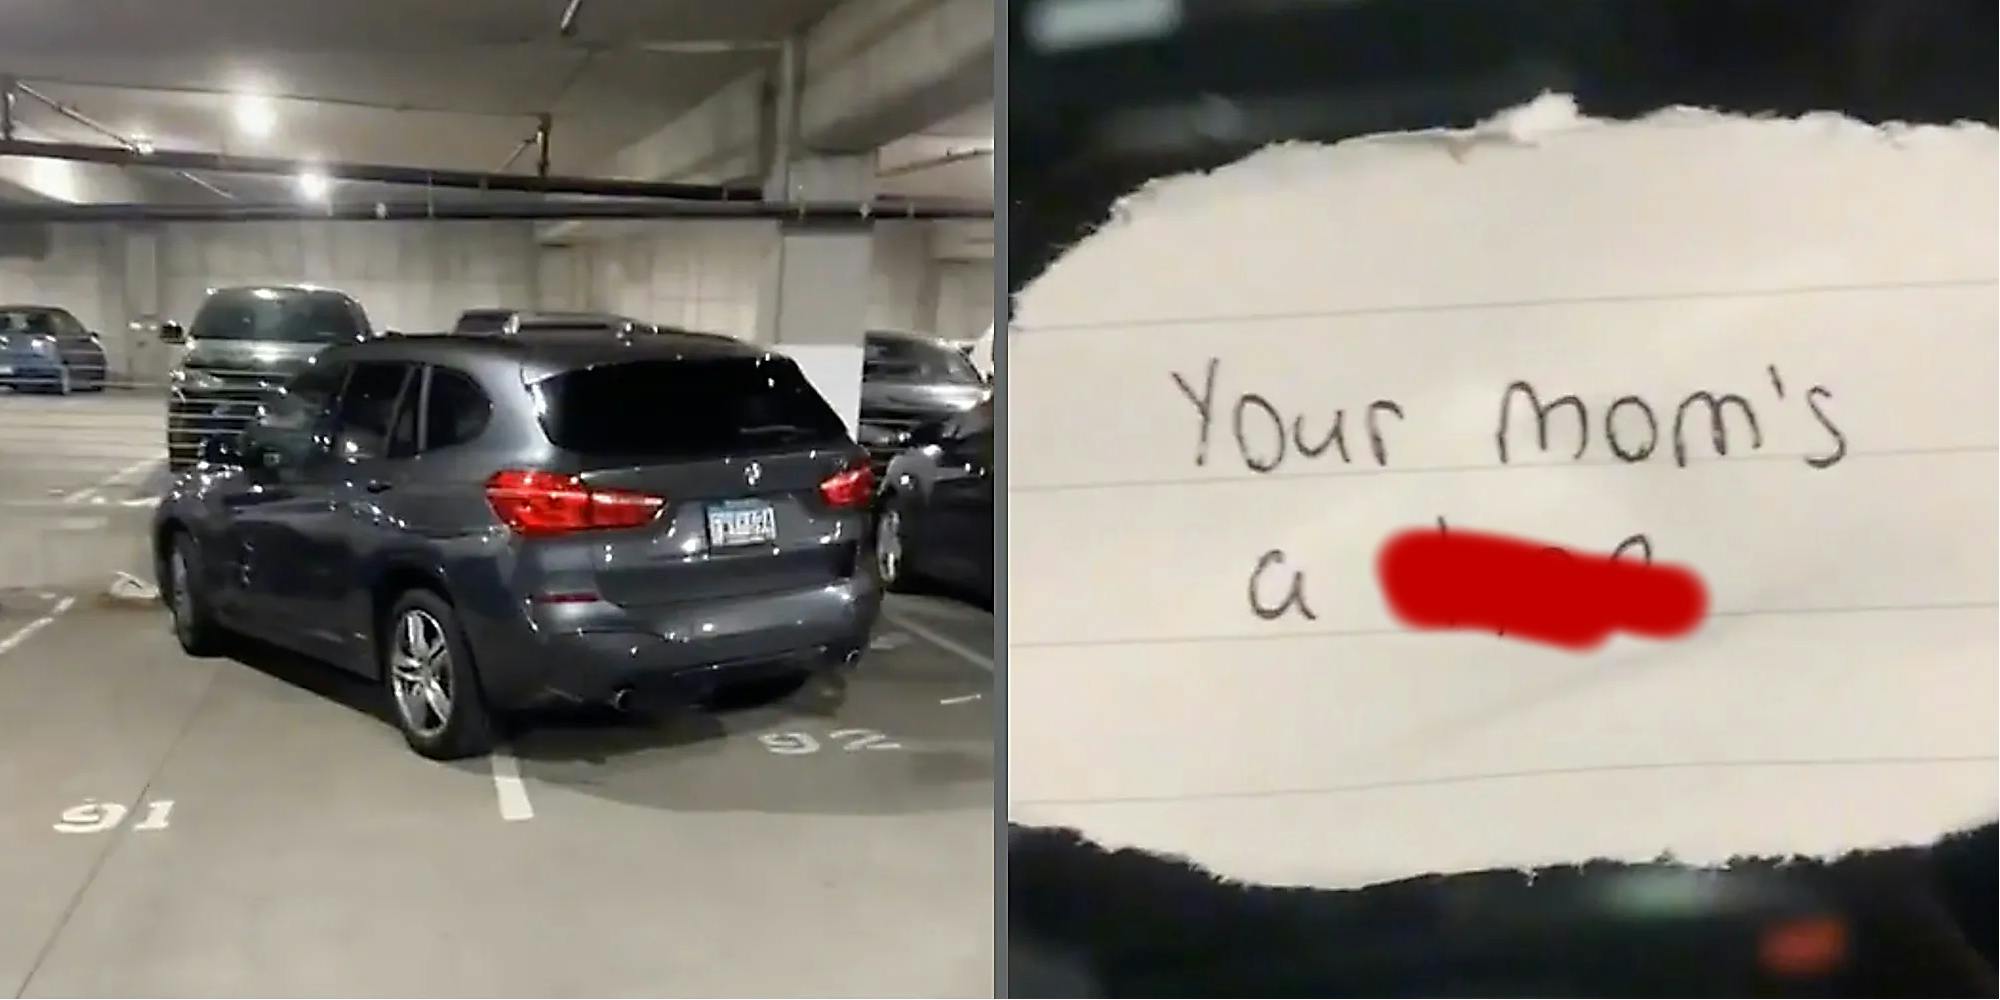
(928,281)
(813,302)
(143,305)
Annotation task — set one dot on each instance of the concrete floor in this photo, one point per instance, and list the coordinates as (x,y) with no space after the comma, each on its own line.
(277,838)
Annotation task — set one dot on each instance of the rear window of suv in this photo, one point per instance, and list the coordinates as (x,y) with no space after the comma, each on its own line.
(685,408)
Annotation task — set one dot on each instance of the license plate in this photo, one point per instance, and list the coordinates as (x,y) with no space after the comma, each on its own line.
(6,369)
(741,522)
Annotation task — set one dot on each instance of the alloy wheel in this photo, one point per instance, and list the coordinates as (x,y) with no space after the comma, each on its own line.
(420,670)
(181,602)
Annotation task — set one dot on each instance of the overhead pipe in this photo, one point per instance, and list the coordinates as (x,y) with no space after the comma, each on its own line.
(77,116)
(515,155)
(543,124)
(625,208)
(172,159)
(704,46)
(779,176)
(931,162)
(348,102)
(886,207)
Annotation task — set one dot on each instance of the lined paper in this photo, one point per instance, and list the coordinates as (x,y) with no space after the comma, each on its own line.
(1175,382)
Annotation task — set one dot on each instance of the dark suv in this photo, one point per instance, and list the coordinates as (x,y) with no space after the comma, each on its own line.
(490,524)
(910,381)
(244,344)
(934,519)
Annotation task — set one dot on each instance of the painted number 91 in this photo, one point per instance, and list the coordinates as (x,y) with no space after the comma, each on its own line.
(97,817)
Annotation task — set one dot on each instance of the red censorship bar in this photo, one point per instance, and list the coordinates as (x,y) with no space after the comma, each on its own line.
(1477,581)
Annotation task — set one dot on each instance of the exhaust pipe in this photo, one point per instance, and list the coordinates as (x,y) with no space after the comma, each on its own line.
(621,700)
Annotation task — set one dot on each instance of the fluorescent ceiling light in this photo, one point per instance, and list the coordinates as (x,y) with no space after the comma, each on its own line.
(313,185)
(55,179)
(255,115)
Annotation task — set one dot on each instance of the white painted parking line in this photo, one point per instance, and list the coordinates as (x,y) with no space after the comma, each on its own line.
(943,642)
(941,608)
(514,804)
(125,475)
(21,634)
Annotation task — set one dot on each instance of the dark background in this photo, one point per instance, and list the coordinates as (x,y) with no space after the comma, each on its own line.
(1087,125)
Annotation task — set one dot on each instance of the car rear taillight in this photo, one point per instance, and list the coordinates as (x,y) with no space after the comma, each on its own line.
(539,504)
(849,487)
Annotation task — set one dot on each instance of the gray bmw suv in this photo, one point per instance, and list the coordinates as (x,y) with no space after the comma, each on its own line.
(490,524)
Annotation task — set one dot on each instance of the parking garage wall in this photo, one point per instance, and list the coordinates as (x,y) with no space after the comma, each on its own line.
(410,276)
(965,298)
(416,276)
(698,274)
(80,269)
(904,292)
(707,275)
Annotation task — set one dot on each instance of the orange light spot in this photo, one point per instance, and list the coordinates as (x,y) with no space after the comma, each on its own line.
(1808,947)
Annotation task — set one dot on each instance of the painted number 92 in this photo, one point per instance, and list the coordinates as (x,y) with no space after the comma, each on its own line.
(795,743)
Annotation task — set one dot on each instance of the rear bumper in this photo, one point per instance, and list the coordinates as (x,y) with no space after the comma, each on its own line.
(29,368)
(590,652)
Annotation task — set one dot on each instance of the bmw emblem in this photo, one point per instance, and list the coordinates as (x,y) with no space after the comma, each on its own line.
(752,473)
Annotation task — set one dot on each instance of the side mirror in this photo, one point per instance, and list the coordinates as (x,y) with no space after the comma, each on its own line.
(172,333)
(221,449)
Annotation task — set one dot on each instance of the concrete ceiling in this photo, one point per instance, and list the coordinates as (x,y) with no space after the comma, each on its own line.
(480,69)
(951,159)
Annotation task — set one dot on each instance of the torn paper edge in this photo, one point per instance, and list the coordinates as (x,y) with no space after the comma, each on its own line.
(1666,859)
(1521,126)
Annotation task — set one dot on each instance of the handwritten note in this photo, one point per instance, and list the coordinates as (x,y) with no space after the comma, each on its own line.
(1764,350)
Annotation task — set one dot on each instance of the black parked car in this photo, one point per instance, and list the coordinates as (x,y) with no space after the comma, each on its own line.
(43,347)
(908,381)
(489,524)
(244,344)
(934,519)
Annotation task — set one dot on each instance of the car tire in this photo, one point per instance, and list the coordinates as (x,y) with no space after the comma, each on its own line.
(891,549)
(187,600)
(433,686)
